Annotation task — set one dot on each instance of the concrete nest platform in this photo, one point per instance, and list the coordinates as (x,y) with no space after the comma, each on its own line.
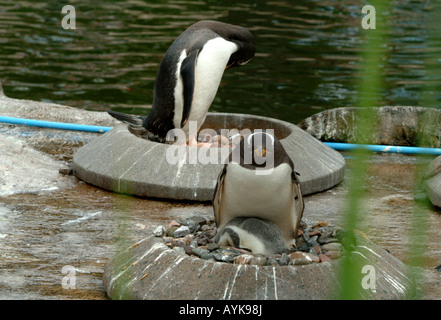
(122,162)
(150,270)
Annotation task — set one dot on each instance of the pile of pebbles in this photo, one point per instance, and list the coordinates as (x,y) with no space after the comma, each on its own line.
(316,242)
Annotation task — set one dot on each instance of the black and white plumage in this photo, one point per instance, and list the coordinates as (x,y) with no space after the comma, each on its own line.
(267,189)
(257,235)
(190,73)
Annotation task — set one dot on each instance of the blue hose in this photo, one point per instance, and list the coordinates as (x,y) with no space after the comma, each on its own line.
(54,125)
(382,148)
(334,145)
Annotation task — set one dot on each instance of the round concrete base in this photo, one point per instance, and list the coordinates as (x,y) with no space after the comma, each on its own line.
(150,270)
(122,162)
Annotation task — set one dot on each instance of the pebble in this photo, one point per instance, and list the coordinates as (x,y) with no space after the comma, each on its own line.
(171,231)
(182,231)
(188,249)
(323,257)
(314,258)
(199,252)
(333,246)
(333,254)
(191,224)
(284,260)
(243,259)
(258,261)
(299,262)
(173,223)
(207,256)
(316,242)
(179,242)
(271,262)
(159,231)
(219,256)
(212,246)
(320,224)
(296,255)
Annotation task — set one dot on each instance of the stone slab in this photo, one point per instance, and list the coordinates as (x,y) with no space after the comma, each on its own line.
(149,270)
(123,162)
(395,125)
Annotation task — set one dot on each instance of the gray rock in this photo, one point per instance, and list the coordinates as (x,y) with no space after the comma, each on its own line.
(198,219)
(207,256)
(258,261)
(219,256)
(191,224)
(327,236)
(212,246)
(334,246)
(202,240)
(271,262)
(199,252)
(171,231)
(180,232)
(225,254)
(395,125)
(299,262)
(284,260)
(159,231)
(194,244)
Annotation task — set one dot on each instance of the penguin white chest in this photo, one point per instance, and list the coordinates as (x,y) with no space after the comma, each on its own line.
(210,66)
(264,196)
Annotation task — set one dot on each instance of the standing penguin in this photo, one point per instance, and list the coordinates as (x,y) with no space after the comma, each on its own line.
(189,76)
(260,183)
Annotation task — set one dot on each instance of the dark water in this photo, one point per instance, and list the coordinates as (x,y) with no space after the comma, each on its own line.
(307,53)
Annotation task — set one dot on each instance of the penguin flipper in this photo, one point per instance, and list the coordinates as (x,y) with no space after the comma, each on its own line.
(188,69)
(301,204)
(217,197)
(127,118)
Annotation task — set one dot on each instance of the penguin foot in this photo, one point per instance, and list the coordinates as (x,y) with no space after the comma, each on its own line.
(215,141)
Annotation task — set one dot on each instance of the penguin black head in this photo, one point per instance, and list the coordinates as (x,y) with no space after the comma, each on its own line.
(236,34)
(261,149)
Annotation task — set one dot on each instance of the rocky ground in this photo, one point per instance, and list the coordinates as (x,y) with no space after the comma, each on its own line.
(315,242)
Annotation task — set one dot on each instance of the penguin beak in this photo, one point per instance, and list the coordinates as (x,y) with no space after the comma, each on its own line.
(230,65)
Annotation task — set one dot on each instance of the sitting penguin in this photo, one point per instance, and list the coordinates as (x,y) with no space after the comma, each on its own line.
(257,235)
(259,183)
